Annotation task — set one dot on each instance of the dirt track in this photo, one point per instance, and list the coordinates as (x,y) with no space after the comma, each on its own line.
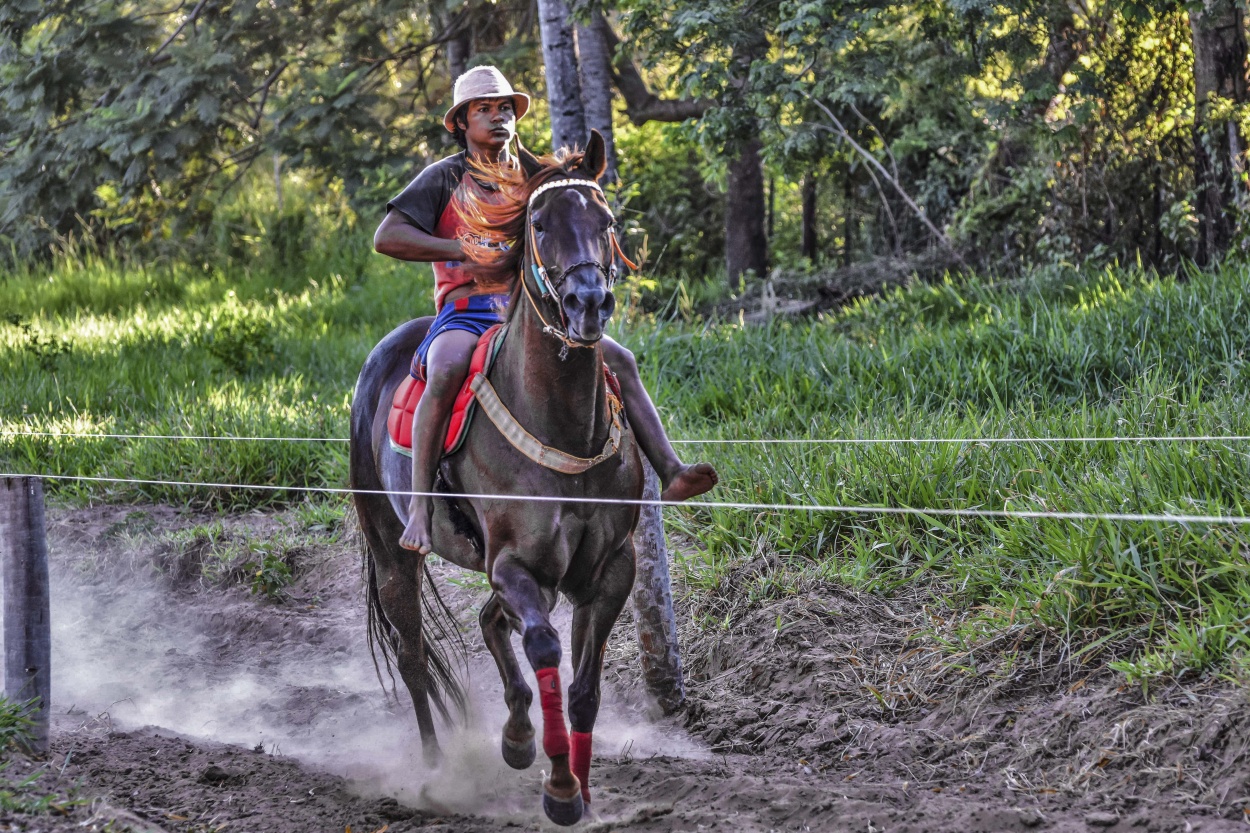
(182,708)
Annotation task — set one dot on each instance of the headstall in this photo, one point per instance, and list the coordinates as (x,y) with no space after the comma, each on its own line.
(545,285)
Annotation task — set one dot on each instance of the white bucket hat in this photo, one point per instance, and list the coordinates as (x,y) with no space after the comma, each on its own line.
(483,82)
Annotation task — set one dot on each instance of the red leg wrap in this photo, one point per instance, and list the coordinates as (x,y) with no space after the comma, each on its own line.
(579,761)
(555,735)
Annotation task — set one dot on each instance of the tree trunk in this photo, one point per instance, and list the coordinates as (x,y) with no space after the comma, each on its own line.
(746,241)
(1219,73)
(772,209)
(658,648)
(564,95)
(459,51)
(848,222)
(594,57)
(642,105)
(810,242)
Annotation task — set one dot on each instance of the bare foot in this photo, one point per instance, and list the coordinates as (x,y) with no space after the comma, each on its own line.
(689,481)
(417,533)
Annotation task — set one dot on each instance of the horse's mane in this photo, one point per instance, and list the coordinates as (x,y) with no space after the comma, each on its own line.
(498,216)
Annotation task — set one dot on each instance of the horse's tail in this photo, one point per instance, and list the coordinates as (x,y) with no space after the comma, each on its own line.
(446,687)
(380,530)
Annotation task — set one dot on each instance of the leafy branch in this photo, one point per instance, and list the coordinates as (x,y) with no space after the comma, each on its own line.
(839,130)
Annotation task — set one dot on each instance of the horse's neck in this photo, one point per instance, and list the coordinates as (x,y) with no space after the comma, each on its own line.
(562,401)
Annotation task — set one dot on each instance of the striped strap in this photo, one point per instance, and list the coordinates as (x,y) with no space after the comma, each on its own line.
(526,443)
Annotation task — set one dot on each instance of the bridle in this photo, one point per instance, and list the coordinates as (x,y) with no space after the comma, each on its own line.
(545,286)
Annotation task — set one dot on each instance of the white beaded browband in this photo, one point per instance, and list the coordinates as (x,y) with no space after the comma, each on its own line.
(564,183)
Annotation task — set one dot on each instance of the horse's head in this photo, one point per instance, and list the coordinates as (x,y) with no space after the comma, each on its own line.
(557,231)
(572,247)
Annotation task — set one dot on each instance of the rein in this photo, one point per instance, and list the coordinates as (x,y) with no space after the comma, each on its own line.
(539,269)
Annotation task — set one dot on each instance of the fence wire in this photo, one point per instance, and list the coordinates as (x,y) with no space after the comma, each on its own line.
(1186,438)
(1143,517)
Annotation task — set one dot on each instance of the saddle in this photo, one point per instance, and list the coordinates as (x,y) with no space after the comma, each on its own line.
(476,386)
(408,394)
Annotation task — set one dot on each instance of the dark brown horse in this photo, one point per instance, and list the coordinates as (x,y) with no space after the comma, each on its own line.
(549,374)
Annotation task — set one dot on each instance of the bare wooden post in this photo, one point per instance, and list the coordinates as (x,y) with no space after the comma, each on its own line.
(653,604)
(27,619)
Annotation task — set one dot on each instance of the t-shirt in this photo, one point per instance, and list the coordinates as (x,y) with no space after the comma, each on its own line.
(433,202)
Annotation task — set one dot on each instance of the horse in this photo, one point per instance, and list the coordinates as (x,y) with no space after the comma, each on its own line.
(549,374)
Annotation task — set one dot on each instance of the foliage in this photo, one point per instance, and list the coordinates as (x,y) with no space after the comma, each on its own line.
(269,574)
(671,220)
(1031,132)
(210,555)
(24,794)
(127,121)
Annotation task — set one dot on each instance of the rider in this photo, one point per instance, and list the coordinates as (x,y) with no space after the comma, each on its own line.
(424,223)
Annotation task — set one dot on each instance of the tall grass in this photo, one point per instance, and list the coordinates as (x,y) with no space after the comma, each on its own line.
(248,348)
(93,346)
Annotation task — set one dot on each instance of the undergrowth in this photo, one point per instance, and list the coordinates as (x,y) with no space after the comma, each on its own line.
(1060,356)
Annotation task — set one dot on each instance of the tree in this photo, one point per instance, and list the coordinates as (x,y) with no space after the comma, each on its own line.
(1219,39)
(746,240)
(564,95)
(125,120)
(594,59)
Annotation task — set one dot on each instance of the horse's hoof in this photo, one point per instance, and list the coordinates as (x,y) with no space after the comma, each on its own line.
(519,755)
(564,813)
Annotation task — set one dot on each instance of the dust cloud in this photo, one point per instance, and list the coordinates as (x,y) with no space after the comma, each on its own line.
(297,680)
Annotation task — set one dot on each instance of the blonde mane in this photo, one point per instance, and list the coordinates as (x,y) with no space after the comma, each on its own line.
(498,216)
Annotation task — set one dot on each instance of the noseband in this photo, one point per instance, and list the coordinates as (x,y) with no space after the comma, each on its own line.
(541,277)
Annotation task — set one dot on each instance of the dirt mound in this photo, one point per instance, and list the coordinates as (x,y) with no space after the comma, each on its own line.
(851,683)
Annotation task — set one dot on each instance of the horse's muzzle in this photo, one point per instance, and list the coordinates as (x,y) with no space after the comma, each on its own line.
(587,310)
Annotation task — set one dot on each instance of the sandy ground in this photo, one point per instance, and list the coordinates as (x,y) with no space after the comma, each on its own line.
(185,707)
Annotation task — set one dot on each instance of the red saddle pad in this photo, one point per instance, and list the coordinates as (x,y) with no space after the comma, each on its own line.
(408,394)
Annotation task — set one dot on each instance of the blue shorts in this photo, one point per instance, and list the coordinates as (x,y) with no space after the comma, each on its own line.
(474,314)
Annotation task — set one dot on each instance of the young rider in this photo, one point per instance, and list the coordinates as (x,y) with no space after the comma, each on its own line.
(423,223)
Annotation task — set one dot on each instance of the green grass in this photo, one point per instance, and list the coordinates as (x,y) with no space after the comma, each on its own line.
(24,794)
(178,349)
(245,350)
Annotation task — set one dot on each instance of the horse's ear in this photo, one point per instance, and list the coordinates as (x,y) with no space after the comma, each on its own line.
(529,162)
(595,159)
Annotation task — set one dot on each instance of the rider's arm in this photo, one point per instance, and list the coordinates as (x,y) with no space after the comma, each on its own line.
(398,237)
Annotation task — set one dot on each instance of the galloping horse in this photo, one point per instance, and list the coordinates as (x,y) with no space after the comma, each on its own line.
(549,374)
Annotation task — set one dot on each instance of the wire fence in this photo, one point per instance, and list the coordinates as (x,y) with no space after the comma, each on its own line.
(925,512)
(934,512)
(1186,438)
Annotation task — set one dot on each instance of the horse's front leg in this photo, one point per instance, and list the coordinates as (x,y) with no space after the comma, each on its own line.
(531,603)
(518,733)
(592,623)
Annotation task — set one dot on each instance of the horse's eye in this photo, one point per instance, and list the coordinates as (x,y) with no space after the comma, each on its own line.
(538,227)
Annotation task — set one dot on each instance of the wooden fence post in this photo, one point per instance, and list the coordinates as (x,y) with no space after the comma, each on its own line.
(653,604)
(27,619)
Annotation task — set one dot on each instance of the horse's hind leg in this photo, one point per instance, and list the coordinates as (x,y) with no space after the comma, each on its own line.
(399,592)
(518,733)
(521,594)
(592,623)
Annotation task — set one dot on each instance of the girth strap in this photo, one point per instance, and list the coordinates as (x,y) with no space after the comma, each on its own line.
(526,443)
